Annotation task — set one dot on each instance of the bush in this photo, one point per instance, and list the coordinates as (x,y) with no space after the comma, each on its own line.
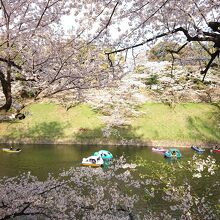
(140,69)
(198,84)
(152,80)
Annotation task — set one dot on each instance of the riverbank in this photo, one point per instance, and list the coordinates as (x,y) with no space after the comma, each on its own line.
(151,143)
(157,125)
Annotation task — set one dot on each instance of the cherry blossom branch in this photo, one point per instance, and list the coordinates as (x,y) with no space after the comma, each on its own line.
(107,24)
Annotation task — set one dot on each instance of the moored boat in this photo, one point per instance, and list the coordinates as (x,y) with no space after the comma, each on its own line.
(92,161)
(216,150)
(158,149)
(9,150)
(198,149)
(173,153)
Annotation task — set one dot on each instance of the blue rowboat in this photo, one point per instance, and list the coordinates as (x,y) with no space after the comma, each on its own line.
(198,149)
(173,153)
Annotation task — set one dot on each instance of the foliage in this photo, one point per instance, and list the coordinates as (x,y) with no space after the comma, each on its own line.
(34,43)
(140,69)
(198,84)
(36,50)
(152,80)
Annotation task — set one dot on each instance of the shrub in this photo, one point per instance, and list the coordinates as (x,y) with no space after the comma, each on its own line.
(152,80)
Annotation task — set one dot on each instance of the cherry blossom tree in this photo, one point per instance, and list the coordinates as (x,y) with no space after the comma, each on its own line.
(22,23)
(179,21)
(35,49)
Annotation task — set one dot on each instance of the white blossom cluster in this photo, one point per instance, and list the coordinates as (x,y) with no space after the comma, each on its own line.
(200,166)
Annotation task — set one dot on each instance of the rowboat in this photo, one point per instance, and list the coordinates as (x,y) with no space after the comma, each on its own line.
(198,149)
(92,161)
(9,150)
(216,150)
(173,153)
(158,149)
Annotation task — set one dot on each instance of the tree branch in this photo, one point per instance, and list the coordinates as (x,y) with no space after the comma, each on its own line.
(24,79)
(12,63)
(215,26)
(213,56)
(107,24)
(177,51)
(209,37)
(150,16)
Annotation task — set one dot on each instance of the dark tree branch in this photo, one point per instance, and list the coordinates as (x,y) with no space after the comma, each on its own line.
(215,26)
(212,37)
(106,6)
(110,61)
(107,24)
(24,79)
(42,15)
(213,56)
(155,12)
(178,50)
(5,11)
(12,63)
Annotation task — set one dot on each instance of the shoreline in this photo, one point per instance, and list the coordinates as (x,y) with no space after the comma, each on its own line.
(149,143)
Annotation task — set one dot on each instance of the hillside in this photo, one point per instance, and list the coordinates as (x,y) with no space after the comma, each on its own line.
(151,106)
(158,124)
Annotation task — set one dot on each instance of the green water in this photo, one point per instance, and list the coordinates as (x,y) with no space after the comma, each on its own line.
(43,159)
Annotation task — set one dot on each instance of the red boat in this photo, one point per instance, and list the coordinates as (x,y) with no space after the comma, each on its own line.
(216,150)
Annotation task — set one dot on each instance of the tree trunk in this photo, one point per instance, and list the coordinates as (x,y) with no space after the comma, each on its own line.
(8,96)
(6,88)
(6,81)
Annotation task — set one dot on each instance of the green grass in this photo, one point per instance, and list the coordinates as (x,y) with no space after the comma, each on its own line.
(50,122)
(186,122)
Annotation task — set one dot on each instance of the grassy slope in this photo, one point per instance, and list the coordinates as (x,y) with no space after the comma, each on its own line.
(50,122)
(186,122)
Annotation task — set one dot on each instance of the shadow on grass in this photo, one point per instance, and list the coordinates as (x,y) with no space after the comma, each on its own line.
(121,135)
(52,131)
(43,131)
(206,130)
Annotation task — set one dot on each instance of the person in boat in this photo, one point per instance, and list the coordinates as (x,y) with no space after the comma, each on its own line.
(17,149)
(174,153)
